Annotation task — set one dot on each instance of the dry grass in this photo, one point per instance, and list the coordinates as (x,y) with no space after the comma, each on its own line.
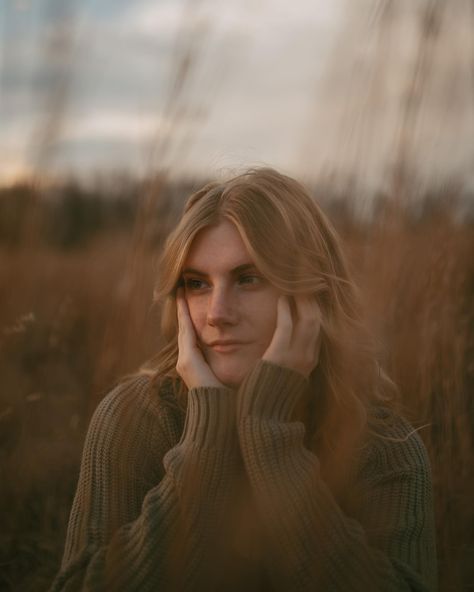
(72,322)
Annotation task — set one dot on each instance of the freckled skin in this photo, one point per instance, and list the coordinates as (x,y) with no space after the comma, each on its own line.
(228,302)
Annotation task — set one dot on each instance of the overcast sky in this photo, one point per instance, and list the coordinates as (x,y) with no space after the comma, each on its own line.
(207,86)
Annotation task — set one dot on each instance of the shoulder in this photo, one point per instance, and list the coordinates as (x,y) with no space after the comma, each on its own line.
(132,396)
(395,503)
(139,393)
(134,411)
(393,446)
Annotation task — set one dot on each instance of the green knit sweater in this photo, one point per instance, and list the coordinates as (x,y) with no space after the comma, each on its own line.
(227,497)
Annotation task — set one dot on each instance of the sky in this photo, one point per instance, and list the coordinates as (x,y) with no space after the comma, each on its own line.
(202,87)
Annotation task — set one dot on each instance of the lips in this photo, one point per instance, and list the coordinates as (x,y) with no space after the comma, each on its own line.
(225,345)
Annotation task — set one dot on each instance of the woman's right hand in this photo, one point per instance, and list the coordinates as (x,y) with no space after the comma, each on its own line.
(191,365)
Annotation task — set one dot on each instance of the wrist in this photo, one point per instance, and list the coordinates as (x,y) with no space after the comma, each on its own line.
(293,366)
(271,390)
(210,417)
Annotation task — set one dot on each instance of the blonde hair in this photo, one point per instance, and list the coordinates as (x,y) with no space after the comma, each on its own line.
(295,247)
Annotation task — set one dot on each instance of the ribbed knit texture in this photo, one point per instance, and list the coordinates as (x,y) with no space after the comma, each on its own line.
(228,498)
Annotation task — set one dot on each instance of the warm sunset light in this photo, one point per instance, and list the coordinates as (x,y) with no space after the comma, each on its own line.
(236,272)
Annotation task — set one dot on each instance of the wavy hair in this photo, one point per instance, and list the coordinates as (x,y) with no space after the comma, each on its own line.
(296,248)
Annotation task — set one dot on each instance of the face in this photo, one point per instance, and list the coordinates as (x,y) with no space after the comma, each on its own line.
(232,306)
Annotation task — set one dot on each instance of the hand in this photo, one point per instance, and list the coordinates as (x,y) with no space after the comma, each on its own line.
(296,342)
(191,365)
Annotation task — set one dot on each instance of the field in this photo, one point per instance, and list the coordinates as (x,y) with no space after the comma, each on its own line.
(76,315)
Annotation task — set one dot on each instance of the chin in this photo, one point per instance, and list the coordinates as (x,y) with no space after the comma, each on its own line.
(231,369)
(231,380)
(230,375)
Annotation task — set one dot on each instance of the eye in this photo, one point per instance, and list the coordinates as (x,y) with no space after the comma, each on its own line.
(249,279)
(193,284)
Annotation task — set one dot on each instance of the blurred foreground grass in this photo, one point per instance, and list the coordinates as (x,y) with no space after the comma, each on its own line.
(75,315)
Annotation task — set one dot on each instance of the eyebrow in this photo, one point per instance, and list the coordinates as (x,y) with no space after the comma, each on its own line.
(234,271)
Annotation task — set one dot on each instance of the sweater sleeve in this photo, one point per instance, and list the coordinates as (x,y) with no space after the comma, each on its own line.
(141,521)
(311,544)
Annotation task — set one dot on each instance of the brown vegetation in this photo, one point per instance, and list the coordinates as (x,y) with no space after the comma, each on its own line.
(75,315)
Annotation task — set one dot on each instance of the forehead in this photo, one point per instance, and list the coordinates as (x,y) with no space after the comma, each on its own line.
(219,245)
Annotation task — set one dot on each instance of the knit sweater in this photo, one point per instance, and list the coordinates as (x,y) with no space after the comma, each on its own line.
(227,497)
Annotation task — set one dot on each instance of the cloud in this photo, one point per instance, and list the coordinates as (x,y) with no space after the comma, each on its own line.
(298,85)
(251,60)
(116,125)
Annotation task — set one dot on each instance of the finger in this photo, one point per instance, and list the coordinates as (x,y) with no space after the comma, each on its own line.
(284,325)
(191,364)
(306,335)
(186,338)
(179,309)
(186,330)
(277,351)
(308,313)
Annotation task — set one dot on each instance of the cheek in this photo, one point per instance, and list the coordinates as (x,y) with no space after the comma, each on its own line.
(197,312)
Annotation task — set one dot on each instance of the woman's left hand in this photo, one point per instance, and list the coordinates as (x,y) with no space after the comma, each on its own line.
(296,342)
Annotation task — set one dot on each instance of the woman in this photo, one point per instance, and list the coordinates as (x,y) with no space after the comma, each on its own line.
(258,450)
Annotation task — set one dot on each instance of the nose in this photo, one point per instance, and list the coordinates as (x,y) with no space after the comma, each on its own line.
(222,307)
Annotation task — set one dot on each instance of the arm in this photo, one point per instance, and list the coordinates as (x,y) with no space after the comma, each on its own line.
(312,544)
(114,545)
